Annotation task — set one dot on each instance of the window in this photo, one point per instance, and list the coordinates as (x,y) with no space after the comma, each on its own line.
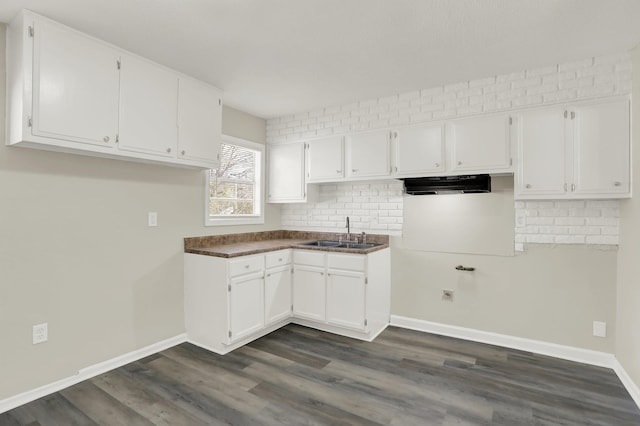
(235,188)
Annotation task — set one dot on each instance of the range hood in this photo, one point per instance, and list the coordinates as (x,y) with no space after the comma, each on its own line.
(467,184)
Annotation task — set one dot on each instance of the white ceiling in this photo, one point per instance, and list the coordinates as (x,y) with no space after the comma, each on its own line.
(277,57)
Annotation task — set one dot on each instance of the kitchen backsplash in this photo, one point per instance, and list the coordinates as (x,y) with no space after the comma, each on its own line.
(378,205)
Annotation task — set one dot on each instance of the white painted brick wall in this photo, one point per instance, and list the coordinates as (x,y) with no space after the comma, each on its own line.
(378,206)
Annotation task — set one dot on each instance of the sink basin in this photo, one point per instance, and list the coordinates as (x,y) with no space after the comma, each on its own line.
(322,243)
(358,245)
(338,244)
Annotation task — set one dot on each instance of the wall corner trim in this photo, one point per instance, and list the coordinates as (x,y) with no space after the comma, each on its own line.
(628,383)
(570,353)
(89,372)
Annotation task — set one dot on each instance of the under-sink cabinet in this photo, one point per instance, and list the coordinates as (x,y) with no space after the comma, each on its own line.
(232,301)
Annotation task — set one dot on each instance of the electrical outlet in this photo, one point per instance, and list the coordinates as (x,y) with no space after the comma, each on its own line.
(447,295)
(40,333)
(153,219)
(599,329)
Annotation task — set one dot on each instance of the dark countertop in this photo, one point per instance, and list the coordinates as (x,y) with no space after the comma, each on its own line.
(234,245)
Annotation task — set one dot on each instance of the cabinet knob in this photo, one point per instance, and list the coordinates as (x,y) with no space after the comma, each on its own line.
(280,259)
(437,164)
(338,171)
(183,152)
(573,187)
(616,183)
(246,266)
(106,139)
(354,170)
(168,149)
(459,163)
(528,186)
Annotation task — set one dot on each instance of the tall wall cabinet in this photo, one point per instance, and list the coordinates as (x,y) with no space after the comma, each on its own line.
(70,92)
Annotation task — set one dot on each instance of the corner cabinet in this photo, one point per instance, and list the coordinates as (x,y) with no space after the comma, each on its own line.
(229,302)
(286,173)
(577,151)
(70,92)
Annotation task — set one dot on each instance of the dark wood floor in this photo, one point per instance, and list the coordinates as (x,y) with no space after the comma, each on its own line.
(298,376)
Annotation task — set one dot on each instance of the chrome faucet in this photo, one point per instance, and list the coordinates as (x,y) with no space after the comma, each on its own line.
(348,230)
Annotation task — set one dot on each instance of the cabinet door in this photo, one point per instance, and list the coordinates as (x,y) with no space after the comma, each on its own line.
(346,299)
(601,148)
(199,122)
(286,173)
(75,87)
(419,150)
(309,292)
(542,153)
(368,154)
(325,161)
(277,295)
(480,144)
(148,108)
(246,306)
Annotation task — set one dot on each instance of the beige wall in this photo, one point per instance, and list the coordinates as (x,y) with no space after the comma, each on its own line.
(76,252)
(548,293)
(628,312)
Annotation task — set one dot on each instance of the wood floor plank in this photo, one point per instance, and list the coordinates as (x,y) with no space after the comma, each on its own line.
(300,376)
(99,405)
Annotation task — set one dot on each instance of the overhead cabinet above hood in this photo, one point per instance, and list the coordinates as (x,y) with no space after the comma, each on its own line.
(467,184)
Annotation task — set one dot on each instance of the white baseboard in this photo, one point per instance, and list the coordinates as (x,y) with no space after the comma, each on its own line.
(89,372)
(586,356)
(632,388)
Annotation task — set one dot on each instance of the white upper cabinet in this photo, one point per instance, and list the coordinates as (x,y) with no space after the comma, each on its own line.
(148,108)
(542,152)
(368,154)
(199,122)
(577,151)
(419,150)
(75,85)
(286,180)
(70,92)
(325,159)
(601,149)
(480,144)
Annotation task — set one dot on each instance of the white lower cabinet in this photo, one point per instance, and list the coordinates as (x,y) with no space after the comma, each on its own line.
(230,302)
(346,299)
(309,292)
(246,306)
(342,293)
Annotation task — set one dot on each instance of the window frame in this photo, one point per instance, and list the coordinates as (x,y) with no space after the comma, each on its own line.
(256,219)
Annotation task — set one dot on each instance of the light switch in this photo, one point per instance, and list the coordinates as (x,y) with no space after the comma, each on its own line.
(153,218)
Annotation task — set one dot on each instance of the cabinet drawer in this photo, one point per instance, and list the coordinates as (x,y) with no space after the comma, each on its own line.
(278,258)
(246,265)
(308,257)
(351,262)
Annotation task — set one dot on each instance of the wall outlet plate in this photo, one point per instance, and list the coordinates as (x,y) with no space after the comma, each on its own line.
(599,329)
(40,333)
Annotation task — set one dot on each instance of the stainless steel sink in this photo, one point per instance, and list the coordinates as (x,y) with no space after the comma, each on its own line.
(358,245)
(339,244)
(322,243)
